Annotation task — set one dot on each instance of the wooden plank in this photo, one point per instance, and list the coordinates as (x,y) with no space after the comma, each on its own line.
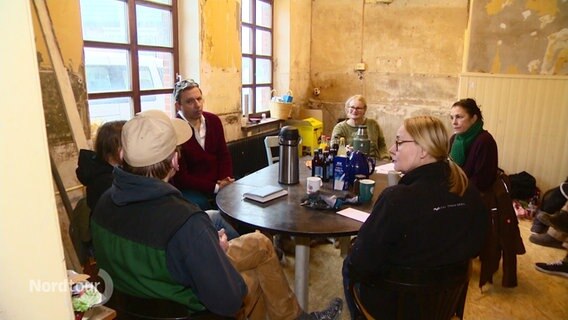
(71,258)
(62,76)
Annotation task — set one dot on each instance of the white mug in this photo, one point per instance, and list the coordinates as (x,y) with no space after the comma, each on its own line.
(393,177)
(313,184)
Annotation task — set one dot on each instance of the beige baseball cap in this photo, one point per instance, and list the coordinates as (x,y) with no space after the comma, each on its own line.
(151,136)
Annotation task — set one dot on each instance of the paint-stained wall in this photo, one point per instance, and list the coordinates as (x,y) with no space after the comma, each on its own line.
(220,62)
(66,20)
(412,50)
(65,17)
(519,37)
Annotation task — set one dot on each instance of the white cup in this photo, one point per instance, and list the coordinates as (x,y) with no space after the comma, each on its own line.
(313,184)
(393,177)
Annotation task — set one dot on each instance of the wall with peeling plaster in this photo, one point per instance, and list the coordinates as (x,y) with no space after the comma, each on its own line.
(220,62)
(414,51)
(66,20)
(519,37)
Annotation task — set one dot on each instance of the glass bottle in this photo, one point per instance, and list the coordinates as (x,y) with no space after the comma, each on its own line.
(323,142)
(341,149)
(317,164)
(327,166)
(361,140)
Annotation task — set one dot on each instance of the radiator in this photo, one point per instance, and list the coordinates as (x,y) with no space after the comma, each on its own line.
(528,117)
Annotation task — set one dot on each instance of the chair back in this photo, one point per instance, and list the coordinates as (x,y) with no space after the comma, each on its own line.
(424,293)
(130,307)
(79,231)
(271,142)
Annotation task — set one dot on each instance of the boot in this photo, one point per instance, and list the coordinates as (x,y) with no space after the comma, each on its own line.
(558,221)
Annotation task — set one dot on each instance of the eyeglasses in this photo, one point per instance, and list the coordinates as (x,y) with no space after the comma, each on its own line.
(355,108)
(182,85)
(399,142)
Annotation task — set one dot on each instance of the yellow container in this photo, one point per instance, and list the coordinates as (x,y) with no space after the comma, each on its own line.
(310,130)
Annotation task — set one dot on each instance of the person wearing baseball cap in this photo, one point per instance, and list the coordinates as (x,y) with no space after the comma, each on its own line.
(156,244)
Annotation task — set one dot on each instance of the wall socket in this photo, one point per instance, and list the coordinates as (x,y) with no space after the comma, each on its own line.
(360,66)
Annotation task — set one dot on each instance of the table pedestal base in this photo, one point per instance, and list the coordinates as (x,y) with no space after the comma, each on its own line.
(302,271)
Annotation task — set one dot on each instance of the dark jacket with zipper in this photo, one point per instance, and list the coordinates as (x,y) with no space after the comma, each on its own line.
(417,223)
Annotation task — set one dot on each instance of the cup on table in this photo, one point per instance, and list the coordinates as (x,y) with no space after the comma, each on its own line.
(366,188)
(393,177)
(313,184)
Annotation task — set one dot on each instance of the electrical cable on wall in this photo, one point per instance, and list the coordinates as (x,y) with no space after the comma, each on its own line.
(361,72)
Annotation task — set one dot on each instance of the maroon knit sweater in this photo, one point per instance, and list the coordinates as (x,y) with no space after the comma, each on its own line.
(200,169)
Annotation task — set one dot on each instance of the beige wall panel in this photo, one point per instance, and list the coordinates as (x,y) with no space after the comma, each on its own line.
(527,115)
(32,256)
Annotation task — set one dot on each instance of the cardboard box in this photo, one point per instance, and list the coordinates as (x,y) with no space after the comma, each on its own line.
(304,113)
(339,173)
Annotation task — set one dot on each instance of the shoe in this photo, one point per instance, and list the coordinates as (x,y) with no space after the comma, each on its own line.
(538,226)
(332,312)
(544,239)
(559,268)
(558,221)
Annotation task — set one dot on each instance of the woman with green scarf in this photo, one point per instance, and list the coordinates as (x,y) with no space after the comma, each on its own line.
(472,147)
(475,150)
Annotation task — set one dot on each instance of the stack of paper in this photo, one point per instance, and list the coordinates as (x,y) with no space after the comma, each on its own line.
(385,168)
(354,214)
(264,194)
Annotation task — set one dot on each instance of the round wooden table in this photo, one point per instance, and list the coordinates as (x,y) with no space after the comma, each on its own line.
(285,216)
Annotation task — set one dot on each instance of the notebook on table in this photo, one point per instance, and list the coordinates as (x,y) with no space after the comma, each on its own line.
(265,194)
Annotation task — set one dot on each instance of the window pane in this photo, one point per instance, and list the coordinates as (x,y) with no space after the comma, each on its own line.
(262,98)
(154,26)
(103,110)
(263,43)
(247,71)
(247,11)
(263,14)
(164,102)
(104,20)
(263,71)
(247,40)
(161,1)
(156,70)
(247,100)
(107,70)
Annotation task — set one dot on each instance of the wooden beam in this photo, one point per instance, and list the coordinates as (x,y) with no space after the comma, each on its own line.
(62,76)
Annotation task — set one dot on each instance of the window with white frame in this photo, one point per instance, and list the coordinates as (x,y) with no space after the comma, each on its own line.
(257,27)
(130,51)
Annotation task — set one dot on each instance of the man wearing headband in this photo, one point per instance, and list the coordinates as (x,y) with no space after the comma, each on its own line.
(205,164)
(156,244)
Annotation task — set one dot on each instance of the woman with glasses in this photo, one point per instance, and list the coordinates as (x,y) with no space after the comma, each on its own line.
(431,218)
(355,109)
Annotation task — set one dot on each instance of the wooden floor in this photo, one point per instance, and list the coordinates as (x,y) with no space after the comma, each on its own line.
(538,295)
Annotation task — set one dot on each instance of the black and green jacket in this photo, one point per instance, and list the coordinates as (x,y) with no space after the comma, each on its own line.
(136,230)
